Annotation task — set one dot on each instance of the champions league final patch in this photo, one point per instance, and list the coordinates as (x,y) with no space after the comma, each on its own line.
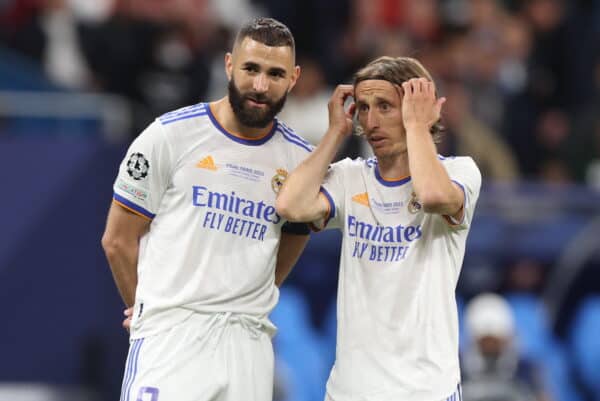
(278,179)
(137,166)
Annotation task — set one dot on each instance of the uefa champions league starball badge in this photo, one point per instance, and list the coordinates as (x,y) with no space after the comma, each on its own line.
(137,166)
(278,179)
(414,205)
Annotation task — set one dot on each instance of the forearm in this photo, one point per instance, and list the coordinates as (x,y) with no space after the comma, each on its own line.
(290,249)
(297,198)
(123,265)
(431,182)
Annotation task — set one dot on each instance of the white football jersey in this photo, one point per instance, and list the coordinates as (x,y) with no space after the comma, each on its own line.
(397,319)
(213,240)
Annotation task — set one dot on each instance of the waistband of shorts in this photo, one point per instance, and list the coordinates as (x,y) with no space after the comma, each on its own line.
(253,323)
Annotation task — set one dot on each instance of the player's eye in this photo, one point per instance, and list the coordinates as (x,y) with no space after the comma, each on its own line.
(384,106)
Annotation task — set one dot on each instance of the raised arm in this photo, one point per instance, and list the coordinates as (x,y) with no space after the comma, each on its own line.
(298,199)
(433,187)
(121,246)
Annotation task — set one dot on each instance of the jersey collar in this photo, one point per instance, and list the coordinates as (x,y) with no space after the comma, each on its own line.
(394,182)
(238,138)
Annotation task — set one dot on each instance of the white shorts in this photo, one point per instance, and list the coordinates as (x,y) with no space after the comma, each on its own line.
(217,357)
(455,396)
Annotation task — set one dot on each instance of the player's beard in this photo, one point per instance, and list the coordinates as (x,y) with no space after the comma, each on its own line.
(250,116)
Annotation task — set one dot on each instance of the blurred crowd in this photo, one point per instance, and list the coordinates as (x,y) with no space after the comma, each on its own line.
(522,77)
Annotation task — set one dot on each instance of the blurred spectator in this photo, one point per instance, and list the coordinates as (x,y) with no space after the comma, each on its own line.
(524,276)
(541,41)
(221,44)
(471,49)
(515,49)
(466,135)
(354,48)
(421,20)
(233,13)
(552,132)
(549,55)
(455,51)
(492,368)
(393,43)
(306,107)
(321,32)
(155,53)
(583,146)
(49,35)
(14,14)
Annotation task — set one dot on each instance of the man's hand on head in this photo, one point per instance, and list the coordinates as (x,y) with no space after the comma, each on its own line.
(340,119)
(420,108)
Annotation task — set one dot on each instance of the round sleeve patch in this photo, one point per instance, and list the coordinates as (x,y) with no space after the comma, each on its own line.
(137,166)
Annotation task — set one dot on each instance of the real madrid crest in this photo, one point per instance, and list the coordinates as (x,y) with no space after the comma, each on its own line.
(413,204)
(278,179)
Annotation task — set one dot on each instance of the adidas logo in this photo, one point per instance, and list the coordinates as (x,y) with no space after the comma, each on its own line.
(207,163)
(363,198)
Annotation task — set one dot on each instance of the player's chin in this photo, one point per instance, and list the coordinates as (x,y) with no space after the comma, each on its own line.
(257,112)
(380,151)
(385,152)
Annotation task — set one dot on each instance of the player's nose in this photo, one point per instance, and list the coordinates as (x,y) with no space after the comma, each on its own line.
(372,120)
(261,83)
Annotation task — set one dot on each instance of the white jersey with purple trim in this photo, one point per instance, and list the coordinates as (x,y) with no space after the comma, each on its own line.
(397,318)
(214,235)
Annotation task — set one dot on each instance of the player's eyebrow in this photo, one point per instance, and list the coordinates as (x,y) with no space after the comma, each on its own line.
(376,100)
(379,100)
(277,71)
(251,64)
(360,103)
(273,70)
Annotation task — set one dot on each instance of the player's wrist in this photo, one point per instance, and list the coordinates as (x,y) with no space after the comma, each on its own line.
(417,128)
(338,132)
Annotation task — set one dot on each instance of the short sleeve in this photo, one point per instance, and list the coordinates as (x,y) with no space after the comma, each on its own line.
(333,190)
(144,173)
(465,173)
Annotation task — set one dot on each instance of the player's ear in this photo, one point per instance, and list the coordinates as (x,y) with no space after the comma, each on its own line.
(228,65)
(295,75)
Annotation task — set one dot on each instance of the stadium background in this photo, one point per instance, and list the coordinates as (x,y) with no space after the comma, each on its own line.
(80,78)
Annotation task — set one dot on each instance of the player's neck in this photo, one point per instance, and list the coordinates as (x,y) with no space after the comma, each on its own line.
(394,167)
(226,117)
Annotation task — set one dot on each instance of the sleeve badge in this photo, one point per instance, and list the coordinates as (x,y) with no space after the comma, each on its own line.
(137,166)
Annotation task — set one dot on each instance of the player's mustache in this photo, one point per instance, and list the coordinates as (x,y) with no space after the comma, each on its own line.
(258,97)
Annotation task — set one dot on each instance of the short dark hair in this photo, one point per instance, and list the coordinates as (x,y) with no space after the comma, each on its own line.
(398,70)
(268,31)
